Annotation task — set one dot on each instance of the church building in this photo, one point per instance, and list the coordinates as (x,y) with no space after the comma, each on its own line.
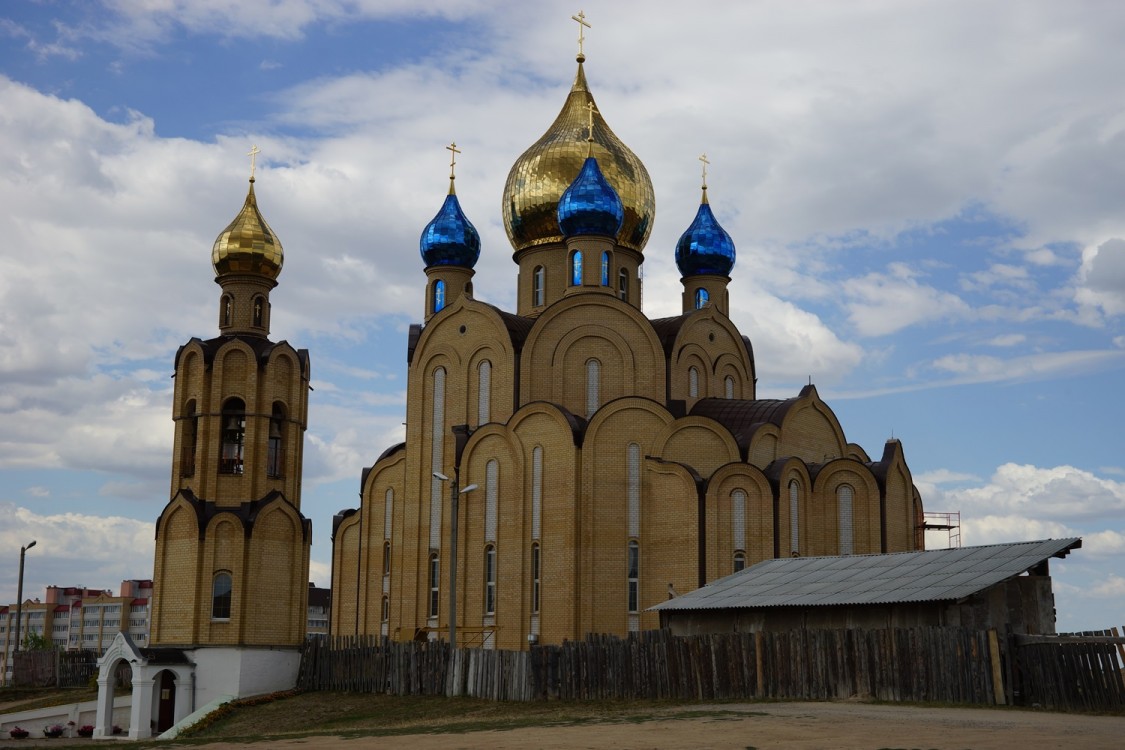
(598,461)
(230,587)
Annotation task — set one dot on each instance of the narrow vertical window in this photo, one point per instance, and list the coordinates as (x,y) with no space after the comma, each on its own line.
(535,577)
(536,490)
(221,596)
(794,529)
(693,382)
(225,310)
(633,489)
(844,495)
(623,285)
(605,269)
(701,297)
(484,392)
(738,519)
(259,311)
(386,558)
(491,498)
(233,437)
(388,512)
(633,567)
(490,580)
(435,584)
(190,438)
(386,608)
(538,277)
(276,449)
(739,561)
(728,386)
(593,386)
(576,268)
(437,454)
(439,296)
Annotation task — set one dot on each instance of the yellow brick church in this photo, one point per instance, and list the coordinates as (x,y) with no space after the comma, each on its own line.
(601,461)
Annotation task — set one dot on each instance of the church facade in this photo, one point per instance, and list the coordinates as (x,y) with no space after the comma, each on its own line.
(602,461)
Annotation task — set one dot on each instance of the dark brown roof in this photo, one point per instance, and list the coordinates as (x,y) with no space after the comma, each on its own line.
(247,513)
(262,347)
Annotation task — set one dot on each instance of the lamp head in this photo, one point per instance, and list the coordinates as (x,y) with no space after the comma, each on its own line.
(470,488)
(442,477)
(30,545)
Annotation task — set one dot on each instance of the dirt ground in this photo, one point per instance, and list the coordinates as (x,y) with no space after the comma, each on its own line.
(764,726)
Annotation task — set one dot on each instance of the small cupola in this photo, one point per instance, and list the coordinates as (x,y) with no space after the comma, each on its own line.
(450,247)
(705,256)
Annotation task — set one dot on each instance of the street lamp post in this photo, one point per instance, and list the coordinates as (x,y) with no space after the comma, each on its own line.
(455,492)
(19,606)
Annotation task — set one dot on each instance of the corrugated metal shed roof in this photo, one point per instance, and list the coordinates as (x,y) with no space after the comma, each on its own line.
(932,575)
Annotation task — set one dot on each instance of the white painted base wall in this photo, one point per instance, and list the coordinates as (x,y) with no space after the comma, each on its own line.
(242,672)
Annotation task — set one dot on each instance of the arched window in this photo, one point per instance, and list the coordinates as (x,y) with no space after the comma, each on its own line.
(439,296)
(605,268)
(593,386)
(233,437)
(844,496)
(435,584)
(275,456)
(739,561)
(576,268)
(701,297)
(535,577)
(386,558)
(693,382)
(221,596)
(484,392)
(190,438)
(623,285)
(490,579)
(386,608)
(226,310)
(633,569)
(538,277)
(259,311)
(794,529)
(728,386)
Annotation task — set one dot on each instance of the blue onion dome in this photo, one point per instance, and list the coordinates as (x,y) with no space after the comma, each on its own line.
(450,239)
(590,205)
(705,248)
(248,245)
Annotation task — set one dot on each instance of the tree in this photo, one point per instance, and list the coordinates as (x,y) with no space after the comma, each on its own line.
(37,642)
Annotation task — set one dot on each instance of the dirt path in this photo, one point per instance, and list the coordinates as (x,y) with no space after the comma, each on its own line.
(793,726)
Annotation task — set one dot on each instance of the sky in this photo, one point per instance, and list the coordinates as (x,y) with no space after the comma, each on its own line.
(925,198)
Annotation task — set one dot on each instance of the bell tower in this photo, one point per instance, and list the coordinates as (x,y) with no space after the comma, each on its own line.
(232,546)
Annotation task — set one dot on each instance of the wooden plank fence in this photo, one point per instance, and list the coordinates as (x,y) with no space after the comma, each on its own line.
(1072,672)
(919,664)
(54,668)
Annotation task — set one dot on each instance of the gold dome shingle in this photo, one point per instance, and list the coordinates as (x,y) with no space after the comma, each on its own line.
(248,245)
(539,177)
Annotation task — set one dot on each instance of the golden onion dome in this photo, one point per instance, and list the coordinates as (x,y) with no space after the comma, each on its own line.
(248,245)
(541,175)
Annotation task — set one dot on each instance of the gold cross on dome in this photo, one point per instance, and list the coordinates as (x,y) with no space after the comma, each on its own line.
(590,112)
(703,158)
(582,26)
(453,151)
(253,154)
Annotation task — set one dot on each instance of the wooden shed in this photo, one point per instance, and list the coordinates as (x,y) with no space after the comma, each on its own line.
(991,586)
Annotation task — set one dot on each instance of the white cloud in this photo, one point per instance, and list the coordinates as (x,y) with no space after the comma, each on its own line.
(1062,493)
(993,529)
(1006,340)
(883,303)
(107,549)
(1101,279)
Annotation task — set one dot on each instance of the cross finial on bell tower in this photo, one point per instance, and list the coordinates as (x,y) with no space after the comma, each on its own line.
(703,158)
(582,26)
